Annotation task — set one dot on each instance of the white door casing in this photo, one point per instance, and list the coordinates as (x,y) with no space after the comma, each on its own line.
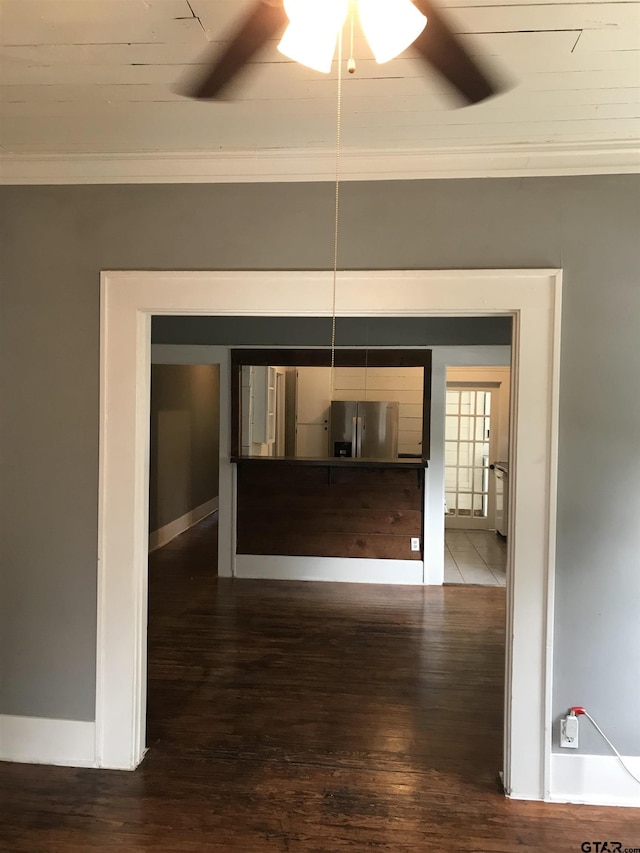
(128,299)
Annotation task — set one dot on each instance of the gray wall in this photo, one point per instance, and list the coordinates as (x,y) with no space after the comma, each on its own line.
(184,439)
(55,240)
(316,331)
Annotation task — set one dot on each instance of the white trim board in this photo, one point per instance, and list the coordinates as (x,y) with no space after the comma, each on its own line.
(128,299)
(160,537)
(39,740)
(307,164)
(597,780)
(342,569)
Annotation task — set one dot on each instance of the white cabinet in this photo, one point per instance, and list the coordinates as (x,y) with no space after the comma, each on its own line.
(313,399)
(258,409)
(264,405)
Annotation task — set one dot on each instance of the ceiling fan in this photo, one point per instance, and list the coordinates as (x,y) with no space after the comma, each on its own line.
(436,43)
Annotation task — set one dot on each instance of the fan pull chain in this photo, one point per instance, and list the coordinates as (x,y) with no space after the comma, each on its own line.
(366,365)
(351,62)
(337,215)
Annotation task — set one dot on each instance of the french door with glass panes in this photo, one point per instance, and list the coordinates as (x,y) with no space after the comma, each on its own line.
(470,443)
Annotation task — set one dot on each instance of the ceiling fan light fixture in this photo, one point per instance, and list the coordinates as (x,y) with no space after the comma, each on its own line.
(390,26)
(309,46)
(312,33)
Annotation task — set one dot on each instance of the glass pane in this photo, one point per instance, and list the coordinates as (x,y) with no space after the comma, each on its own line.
(451,428)
(451,453)
(467,400)
(450,478)
(483,402)
(466,453)
(451,503)
(479,506)
(480,479)
(464,504)
(482,429)
(465,479)
(453,400)
(466,429)
(481,454)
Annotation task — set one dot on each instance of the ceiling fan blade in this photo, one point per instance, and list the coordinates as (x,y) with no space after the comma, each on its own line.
(445,52)
(264,20)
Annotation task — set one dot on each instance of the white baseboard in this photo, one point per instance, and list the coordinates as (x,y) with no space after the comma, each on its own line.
(345,569)
(165,534)
(39,740)
(597,780)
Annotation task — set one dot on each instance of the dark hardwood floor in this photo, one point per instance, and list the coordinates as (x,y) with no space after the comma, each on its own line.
(305,718)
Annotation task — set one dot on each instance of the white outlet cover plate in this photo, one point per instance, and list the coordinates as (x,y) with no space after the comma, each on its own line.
(565,742)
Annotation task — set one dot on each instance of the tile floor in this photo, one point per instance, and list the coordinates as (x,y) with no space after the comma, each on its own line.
(475,557)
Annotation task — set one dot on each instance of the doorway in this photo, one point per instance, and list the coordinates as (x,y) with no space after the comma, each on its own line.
(184,448)
(125,357)
(184,452)
(476,440)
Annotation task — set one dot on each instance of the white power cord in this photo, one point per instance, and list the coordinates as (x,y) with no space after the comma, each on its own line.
(611,746)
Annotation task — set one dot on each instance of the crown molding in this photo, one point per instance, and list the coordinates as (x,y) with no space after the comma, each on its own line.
(285,165)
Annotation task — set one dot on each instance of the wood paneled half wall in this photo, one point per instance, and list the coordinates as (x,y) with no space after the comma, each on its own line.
(324,510)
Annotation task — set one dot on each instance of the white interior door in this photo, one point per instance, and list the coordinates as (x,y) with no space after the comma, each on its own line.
(313,400)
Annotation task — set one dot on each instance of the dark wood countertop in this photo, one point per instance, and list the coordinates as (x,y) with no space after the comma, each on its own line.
(333,462)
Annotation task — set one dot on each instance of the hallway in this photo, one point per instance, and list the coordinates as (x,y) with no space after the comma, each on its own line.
(305,718)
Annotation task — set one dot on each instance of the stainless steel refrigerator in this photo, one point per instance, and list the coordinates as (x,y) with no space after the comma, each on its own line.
(364,429)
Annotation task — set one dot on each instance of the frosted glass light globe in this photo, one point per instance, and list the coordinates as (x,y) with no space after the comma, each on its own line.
(390,26)
(311,35)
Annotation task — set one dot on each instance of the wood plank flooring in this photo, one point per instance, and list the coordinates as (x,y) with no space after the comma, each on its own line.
(305,718)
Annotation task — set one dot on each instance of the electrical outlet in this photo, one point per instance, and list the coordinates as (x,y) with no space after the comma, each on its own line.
(569,732)
(415,543)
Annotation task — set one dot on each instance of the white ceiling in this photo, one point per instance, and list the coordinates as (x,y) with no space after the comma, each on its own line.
(83,80)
